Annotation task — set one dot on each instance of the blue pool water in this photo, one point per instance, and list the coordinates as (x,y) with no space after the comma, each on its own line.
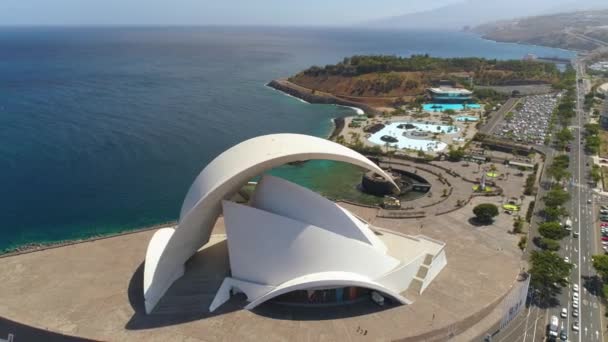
(440,107)
(414,144)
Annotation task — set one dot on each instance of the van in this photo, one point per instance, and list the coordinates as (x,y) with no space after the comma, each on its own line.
(568,224)
(553,326)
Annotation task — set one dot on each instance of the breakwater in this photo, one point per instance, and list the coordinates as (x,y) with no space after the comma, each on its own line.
(317,97)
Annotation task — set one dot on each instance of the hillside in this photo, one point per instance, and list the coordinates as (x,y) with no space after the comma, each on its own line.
(583,31)
(397,77)
(476,12)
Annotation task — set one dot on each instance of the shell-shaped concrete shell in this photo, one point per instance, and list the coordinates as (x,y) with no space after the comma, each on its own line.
(169,249)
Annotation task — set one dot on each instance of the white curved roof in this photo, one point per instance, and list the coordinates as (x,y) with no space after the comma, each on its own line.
(269,249)
(221,179)
(326,279)
(287,199)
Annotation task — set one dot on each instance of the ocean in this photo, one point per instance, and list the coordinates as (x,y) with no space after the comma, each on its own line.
(102,130)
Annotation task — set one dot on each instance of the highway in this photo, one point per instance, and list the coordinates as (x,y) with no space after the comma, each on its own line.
(583,213)
(531,325)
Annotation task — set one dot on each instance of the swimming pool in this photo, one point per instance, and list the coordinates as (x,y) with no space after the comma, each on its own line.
(415,144)
(440,107)
(465,118)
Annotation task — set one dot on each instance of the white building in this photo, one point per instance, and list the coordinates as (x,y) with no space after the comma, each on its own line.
(287,238)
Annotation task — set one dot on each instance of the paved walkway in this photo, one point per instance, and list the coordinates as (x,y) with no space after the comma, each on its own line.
(93,289)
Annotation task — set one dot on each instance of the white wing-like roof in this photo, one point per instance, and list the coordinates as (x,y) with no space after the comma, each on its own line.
(269,249)
(222,178)
(287,199)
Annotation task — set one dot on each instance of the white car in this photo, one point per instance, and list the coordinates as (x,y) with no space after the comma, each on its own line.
(575,326)
(575,296)
(575,287)
(575,305)
(566,259)
(564,313)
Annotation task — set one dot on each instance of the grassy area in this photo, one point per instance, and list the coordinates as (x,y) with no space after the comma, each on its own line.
(603,144)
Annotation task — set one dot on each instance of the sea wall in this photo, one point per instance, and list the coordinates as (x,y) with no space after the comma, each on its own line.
(317,97)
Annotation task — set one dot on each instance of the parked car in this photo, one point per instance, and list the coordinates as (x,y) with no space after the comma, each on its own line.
(575,313)
(563,335)
(575,287)
(604,238)
(564,313)
(575,326)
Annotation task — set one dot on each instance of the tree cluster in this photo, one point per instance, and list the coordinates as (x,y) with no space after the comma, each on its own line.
(548,271)
(486,71)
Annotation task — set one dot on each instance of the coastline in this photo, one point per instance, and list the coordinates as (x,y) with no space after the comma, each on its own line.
(307,95)
(522,43)
(41,246)
(338,127)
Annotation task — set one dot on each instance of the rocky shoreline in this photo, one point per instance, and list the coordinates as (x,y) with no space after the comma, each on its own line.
(320,98)
(317,97)
(41,246)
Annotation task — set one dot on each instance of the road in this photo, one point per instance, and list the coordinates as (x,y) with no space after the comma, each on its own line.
(583,212)
(530,326)
(497,116)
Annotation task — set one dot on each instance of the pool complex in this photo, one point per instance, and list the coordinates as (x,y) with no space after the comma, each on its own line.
(414,144)
(465,118)
(440,107)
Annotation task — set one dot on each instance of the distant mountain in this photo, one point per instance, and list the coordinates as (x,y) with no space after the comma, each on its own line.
(586,30)
(477,12)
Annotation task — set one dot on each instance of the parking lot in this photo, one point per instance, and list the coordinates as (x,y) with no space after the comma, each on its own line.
(528,123)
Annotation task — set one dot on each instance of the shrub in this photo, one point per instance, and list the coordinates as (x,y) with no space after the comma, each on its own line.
(523,242)
(485,212)
(530,212)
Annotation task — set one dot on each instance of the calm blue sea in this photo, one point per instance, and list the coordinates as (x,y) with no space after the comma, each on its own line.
(104,129)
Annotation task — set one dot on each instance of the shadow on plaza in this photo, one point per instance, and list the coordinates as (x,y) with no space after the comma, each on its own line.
(479,224)
(189,297)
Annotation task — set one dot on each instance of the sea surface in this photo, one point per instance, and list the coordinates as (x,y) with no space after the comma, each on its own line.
(102,130)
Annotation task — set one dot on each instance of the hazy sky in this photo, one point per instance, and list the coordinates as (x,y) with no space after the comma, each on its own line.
(205,12)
